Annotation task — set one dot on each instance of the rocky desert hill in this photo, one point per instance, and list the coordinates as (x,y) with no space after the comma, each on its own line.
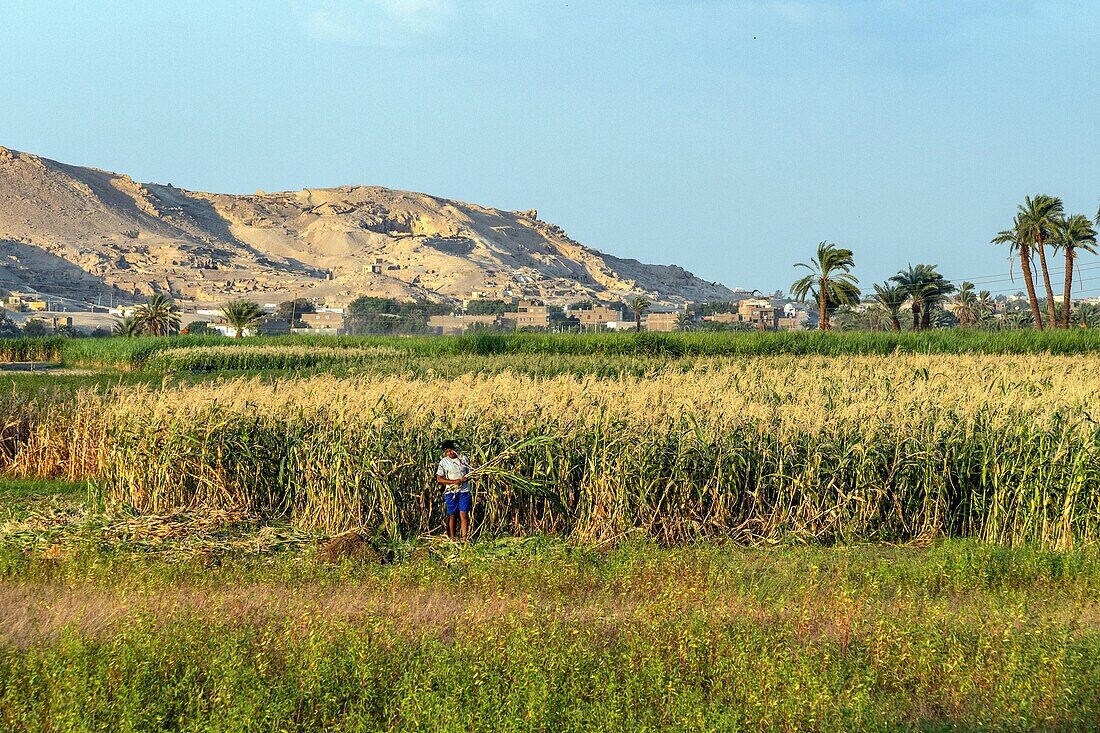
(88,234)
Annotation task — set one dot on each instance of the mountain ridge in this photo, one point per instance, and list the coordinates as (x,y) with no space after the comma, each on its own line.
(83,233)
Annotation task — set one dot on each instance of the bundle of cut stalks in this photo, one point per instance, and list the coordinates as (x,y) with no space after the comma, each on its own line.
(495,468)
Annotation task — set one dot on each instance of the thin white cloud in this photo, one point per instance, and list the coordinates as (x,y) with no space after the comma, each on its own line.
(379,22)
(805,13)
(326,24)
(420,16)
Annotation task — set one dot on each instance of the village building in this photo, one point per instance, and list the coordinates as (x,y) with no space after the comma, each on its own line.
(454,325)
(758,312)
(528,315)
(597,317)
(663,321)
(324,322)
(271,326)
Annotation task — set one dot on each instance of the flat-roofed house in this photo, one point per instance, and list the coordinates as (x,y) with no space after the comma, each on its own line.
(596,317)
(529,315)
(663,322)
(759,312)
(326,322)
(454,325)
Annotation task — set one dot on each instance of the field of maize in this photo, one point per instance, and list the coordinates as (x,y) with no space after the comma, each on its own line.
(892,448)
(294,352)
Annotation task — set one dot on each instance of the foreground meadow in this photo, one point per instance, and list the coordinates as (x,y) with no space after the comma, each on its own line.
(663,540)
(198,623)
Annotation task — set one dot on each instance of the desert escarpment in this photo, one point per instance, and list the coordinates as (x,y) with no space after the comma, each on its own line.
(83,233)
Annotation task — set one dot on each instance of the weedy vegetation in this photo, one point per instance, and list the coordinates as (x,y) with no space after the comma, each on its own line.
(699,531)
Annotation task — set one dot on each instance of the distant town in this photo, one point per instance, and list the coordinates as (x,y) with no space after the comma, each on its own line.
(36,314)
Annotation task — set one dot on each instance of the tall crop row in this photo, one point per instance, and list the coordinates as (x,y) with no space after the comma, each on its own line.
(30,349)
(672,478)
(869,448)
(277,352)
(52,437)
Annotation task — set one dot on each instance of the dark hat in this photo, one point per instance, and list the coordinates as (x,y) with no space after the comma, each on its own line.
(449,445)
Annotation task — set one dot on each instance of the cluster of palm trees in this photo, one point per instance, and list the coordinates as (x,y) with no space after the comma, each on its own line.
(242,314)
(160,317)
(921,287)
(832,286)
(1041,222)
(973,307)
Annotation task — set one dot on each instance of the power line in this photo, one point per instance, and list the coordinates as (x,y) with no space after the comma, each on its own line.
(1007,278)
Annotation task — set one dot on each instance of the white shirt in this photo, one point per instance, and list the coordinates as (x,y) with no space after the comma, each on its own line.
(454,468)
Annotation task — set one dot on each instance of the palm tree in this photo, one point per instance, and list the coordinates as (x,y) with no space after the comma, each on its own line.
(1035,223)
(830,282)
(891,298)
(242,314)
(846,319)
(1013,238)
(1019,319)
(638,305)
(159,316)
(986,307)
(927,289)
(128,327)
(1087,315)
(878,318)
(1073,234)
(967,306)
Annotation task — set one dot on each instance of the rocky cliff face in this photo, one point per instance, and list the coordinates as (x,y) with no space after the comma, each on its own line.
(83,233)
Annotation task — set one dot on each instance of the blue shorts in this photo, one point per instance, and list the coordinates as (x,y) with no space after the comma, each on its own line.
(459,502)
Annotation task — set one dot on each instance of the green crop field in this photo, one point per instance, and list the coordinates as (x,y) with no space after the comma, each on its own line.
(281,352)
(685,532)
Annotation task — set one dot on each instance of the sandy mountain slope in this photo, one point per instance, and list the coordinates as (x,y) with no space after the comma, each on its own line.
(88,234)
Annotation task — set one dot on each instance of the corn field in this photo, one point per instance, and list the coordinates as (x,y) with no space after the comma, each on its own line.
(292,352)
(763,449)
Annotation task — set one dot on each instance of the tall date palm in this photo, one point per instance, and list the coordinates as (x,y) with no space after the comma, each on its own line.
(159,317)
(892,298)
(1018,243)
(1034,226)
(830,281)
(1073,234)
(637,306)
(242,314)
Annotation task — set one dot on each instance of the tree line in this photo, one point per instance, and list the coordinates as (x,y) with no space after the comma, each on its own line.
(1040,223)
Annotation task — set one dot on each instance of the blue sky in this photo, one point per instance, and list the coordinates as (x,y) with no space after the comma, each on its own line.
(726,136)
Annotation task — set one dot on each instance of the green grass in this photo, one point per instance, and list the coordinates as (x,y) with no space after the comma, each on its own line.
(30,383)
(533,674)
(19,497)
(134,353)
(20,488)
(541,634)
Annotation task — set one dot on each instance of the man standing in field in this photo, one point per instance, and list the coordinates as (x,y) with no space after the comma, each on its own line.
(451,473)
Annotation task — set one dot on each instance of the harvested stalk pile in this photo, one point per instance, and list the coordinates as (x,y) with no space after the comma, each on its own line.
(57,531)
